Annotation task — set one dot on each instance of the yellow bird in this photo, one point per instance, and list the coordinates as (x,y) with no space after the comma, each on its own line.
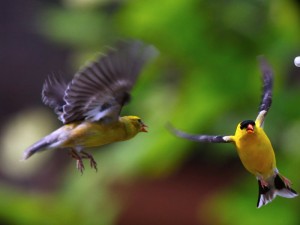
(254,147)
(89,106)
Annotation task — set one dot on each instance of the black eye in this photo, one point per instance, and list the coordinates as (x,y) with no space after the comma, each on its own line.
(139,120)
(245,123)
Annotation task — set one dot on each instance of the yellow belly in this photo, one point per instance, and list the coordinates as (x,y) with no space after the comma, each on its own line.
(88,134)
(256,154)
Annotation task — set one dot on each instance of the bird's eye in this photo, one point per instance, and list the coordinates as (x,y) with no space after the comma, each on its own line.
(139,120)
(245,123)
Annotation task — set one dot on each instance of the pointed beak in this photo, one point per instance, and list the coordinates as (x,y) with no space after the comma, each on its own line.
(144,128)
(250,129)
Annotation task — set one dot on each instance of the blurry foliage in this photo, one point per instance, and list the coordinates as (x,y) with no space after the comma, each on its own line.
(205,80)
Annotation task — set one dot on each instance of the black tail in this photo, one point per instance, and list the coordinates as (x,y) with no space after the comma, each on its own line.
(275,187)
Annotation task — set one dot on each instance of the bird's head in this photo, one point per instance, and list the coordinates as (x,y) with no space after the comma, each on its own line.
(246,127)
(137,123)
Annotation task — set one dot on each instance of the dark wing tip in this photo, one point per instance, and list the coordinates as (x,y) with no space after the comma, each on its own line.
(199,138)
(180,133)
(53,92)
(133,56)
(267,77)
(137,47)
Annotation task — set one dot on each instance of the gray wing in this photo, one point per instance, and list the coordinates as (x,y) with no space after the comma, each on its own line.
(266,100)
(53,93)
(200,138)
(99,91)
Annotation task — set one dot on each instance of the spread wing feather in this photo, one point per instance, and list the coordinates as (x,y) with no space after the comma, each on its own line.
(99,91)
(53,93)
(200,137)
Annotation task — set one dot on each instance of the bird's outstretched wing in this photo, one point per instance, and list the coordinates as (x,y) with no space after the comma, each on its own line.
(266,100)
(200,138)
(53,93)
(99,91)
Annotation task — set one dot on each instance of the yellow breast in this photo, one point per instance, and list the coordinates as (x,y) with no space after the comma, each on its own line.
(88,134)
(256,152)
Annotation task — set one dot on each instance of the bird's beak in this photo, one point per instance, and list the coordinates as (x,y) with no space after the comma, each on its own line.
(143,128)
(250,129)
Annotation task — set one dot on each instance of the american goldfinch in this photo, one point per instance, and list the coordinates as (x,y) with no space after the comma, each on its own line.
(254,147)
(89,106)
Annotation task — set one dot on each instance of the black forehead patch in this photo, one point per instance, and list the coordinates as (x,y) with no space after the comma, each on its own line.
(245,123)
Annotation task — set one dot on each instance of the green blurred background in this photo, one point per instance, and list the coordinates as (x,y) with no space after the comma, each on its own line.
(205,80)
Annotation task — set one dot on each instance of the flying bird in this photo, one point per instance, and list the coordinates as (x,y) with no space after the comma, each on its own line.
(254,147)
(89,105)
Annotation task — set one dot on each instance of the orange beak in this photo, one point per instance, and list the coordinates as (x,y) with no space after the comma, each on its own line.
(250,129)
(143,128)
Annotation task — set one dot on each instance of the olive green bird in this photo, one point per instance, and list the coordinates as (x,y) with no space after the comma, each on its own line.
(90,104)
(254,147)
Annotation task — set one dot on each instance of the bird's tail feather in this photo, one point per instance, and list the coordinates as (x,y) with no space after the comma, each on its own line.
(36,147)
(277,187)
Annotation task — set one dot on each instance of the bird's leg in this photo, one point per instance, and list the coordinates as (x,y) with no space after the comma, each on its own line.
(93,163)
(79,163)
(286,181)
(263,183)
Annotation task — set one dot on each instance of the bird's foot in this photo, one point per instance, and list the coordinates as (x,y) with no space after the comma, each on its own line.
(83,155)
(93,163)
(79,162)
(286,181)
(79,165)
(264,183)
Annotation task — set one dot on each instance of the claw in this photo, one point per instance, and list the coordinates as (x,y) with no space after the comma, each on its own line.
(79,162)
(263,183)
(286,181)
(79,165)
(93,163)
